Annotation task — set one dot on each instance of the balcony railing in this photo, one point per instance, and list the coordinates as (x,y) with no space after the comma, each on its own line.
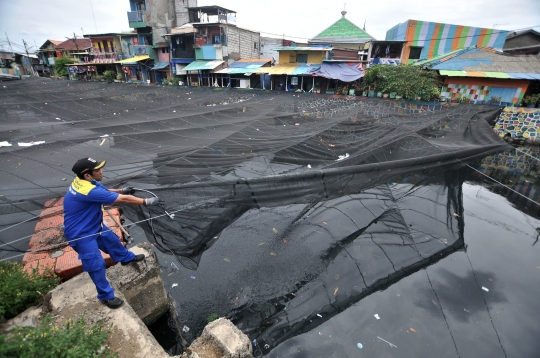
(136,16)
(183,53)
(140,50)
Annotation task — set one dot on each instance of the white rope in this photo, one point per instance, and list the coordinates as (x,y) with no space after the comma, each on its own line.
(498,182)
(77,239)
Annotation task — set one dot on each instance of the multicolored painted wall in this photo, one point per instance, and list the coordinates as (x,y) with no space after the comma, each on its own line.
(519,123)
(436,38)
(482,89)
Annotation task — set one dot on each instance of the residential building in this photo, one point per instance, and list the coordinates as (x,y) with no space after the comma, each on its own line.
(425,40)
(79,49)
(48,52)
(208,43)
(152,19)
(478,74)
(525,42)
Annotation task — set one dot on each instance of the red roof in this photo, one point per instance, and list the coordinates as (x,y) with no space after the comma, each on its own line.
(73,45)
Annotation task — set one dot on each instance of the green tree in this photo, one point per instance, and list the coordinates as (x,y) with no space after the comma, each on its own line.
(60,64)
(406,81)
(20,289)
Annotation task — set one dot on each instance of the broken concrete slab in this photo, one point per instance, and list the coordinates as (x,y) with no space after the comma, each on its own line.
(221,338)
(141,284)
(129,336)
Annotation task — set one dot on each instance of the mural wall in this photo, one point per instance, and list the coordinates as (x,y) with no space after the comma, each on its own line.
(481,92)
(519,123)
(436,39)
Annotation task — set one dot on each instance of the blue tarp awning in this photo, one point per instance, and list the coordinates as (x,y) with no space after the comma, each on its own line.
(340,71)
(160,66)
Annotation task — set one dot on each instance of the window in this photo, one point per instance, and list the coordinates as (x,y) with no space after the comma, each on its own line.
(415,52)
(255,45)
(164,50)
(301,58)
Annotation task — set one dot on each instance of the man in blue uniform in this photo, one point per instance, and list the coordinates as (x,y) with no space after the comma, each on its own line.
(84,228)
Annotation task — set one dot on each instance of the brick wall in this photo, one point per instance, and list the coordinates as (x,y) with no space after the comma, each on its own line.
(241,43)
(181,10)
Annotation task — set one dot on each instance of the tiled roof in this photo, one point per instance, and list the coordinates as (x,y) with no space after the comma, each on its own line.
(343,29)
(55,42)
(77,44)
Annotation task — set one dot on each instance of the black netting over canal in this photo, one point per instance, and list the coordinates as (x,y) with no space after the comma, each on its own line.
(285,189)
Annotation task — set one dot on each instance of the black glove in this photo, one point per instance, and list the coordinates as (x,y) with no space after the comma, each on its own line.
(154,201)
(128,190)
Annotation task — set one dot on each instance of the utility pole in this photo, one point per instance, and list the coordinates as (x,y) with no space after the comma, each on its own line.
(29,60)
(9,42)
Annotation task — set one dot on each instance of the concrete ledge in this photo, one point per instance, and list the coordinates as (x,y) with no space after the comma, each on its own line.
(222,339)
(129,337)
(141,284)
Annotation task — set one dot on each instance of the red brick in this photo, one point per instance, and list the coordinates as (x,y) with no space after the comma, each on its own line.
(40,265)
(34,256)
(54,202)
(44,236)
(56,210)
(68,265)
(48,223)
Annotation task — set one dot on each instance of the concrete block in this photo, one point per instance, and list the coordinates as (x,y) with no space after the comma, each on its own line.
(129,337)
(221,338)
(141,284)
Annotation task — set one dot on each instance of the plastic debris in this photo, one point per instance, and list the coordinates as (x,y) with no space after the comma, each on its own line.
(273,254)
(174,285)
(309,166)
(335,290)
(58,119)
(192,277)
(255,342)
(485,289)
(318,315)
(384,340)
(102,141)
(21,144)
(227,259)
(274,230)
(377,316)
(284,241)
(173,266)
(64,179)
(456,215)
(103,136)
(185,329)
(359,345)
(412,329)
(262,243)
(297,124)
(341,157)
(5,144)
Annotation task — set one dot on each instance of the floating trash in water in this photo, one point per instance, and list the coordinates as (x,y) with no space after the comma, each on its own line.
(318,315)
(173,266)
(174,285)
(185,329)
(192,277)
(309,166)
(274,230)
(412,329)
(227,259)
(377,316)
(255,342)
(485,289)
(359,345)
(335,290)
(262,243)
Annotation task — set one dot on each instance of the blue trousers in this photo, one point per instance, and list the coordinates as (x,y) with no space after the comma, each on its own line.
(93,262)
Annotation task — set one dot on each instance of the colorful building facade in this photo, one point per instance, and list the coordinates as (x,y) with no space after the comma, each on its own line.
(425,40)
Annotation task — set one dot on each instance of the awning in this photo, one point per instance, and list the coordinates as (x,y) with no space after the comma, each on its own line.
(346,72)
(134,59)
(202,65)
(243,67)
(160,66)
(284,69)
(501,75)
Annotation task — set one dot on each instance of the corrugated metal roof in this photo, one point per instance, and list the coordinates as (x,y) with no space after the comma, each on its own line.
(302,48)
(283,69)
(304,69)
(134,59)
(503,75)
(160,65)
(343,29)
(202,65)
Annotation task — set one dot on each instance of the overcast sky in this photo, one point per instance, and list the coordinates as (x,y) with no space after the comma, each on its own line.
(38,20)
